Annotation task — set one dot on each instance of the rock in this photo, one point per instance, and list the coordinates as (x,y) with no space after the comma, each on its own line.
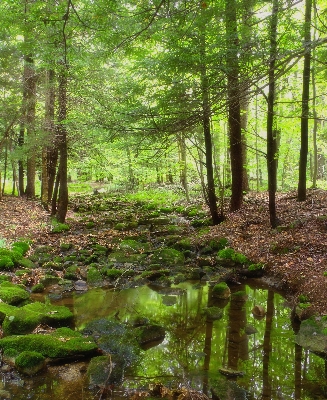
(258,311)
(221,291)
(13,294)
(312,335)
(250,330)
(230,373)
(149,334)
(30,362)
(80,286)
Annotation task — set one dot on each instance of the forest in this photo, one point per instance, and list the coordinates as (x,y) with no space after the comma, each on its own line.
(163,199)
(216,97)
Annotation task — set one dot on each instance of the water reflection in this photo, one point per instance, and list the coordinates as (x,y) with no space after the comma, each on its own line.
(196,346)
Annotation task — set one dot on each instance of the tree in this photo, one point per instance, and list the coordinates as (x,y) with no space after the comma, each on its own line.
(271,123)
(234,108)
(301,194)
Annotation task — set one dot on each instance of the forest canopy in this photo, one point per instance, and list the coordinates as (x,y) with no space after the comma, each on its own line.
(217,96)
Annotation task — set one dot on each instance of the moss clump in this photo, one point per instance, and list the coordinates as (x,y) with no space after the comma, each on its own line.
(13,294)
(61,343)
(94,276)
(112,273)
(38,288)
(213,313)
(25,319)
(58,227)
(21,246)
(168,256)
(221,290)
(256,267)
(30,362)
(65,246)
(230,254)
(133,246)
(71,273)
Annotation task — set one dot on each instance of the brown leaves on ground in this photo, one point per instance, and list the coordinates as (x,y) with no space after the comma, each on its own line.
(295,253)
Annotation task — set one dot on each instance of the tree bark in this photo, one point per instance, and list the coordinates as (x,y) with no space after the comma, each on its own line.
(271,131)
(206,111)
(234,109)
(49,129)
(62,146)
(302,185)
(30,80)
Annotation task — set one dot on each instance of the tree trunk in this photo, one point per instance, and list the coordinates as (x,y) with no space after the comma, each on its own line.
(183,164)
(234,109)
(30,80)
(314,111)
(206,111)
(302,185)
(271,131)
(49,128)
(62,140)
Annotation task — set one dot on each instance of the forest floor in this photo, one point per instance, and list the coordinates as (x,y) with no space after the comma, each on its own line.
(295,253)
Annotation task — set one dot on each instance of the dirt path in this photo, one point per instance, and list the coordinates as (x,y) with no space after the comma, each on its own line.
(296,253)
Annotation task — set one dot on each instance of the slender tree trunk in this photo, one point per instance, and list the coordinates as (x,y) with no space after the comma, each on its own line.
(30,82)
(314,111)
(62,139)
(49,128)
(234,109)
(183,164)
(302,185)
(206,115)
(271,131)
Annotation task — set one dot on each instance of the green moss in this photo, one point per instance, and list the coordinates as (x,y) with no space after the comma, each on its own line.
(219,288)
(25,319)
(26,263)
(168,256)
(58,227)
(94,276)
(29,362)
(12,294)
(21,246)
(230,254)
(62,343)
(90,225)
(303,298)
(71,273)
(133,246)
(112,273)
(120,226)
(65,246)
(256,267)
(38,288)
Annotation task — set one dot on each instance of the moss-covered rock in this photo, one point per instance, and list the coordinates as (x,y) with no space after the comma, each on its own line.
(38,288)
(149,333)
(313,335)
(94,277)
(111,273)
(19,321)
(30,362)
(123,257)
(133,246)
(62,343)
(221,291)
(168,257)
(213,313)
(13,294)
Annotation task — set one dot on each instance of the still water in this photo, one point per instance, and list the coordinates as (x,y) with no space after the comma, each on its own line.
(195,347)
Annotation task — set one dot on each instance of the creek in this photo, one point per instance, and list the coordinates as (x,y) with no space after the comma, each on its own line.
(194,349)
